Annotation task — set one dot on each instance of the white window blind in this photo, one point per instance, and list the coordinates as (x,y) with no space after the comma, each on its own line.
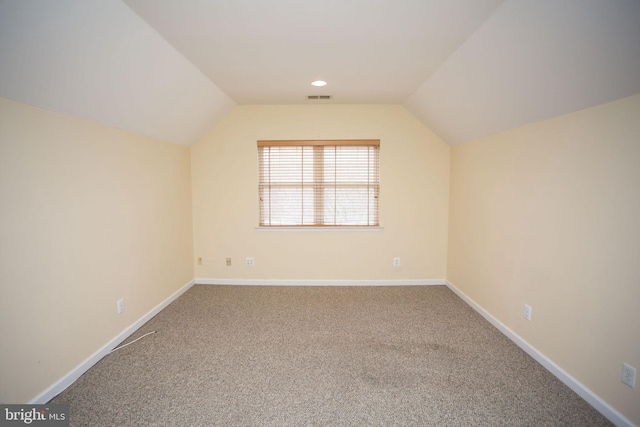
(318,183)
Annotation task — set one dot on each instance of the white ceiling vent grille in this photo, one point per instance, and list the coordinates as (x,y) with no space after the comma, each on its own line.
(319,96)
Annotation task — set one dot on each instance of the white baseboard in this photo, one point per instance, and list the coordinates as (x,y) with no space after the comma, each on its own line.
(330,282)
(593,399)
(64,382)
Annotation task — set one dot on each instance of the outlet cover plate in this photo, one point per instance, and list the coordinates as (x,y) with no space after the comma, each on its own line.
(629,375)
(527,312)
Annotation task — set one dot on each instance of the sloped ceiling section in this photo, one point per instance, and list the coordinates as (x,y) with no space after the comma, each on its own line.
(98,60)
(530,61)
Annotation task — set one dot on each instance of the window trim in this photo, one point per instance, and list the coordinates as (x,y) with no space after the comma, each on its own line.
(320,228)
(318,142)
(322,143)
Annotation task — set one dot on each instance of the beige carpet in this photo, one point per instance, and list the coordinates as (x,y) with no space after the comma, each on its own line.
(322,356)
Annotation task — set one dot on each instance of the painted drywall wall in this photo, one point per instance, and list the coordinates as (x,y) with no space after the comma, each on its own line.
(414,179)
(549,215)
(88,214)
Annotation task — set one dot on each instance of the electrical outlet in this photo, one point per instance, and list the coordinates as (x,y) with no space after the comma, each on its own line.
(250,262)
(629,375)
(396,262)
(199,260)
(527,311)
(228,262)
(120,305)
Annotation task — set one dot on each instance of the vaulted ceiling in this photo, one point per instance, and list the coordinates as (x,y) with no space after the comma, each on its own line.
(172,69)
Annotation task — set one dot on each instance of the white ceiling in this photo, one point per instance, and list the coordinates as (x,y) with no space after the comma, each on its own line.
(267,52)
(174,68)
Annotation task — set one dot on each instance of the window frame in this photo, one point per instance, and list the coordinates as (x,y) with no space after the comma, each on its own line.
(372,184)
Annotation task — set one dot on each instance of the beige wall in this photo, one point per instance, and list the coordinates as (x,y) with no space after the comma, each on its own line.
(414,166)
(88,214)
(549,214)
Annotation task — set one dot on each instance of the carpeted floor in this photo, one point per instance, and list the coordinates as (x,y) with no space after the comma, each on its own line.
(322,356)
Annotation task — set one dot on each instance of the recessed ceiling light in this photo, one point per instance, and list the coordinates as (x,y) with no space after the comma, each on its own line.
(319,83)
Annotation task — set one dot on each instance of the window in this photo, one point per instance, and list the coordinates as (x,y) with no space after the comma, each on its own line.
(318,183)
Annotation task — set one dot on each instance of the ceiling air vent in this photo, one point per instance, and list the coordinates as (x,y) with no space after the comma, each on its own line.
(318,96)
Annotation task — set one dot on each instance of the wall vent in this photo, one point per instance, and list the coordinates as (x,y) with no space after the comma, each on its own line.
(319,96)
